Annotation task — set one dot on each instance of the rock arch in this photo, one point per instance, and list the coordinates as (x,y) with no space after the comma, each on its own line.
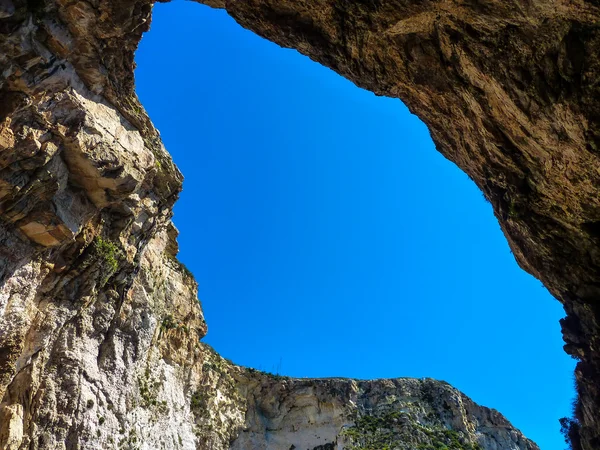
(508,90)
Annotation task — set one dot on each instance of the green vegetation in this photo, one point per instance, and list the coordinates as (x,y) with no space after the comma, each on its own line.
(570,427)
(398,430)
(169,323)
(109,254)
(198,400)
(570,431)
(273,376)
(374,432)
(109,251)
(130,441)
(149,393)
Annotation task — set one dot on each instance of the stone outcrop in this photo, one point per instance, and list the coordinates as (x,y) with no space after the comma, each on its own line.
(395,414)
(509,91)
(99,323)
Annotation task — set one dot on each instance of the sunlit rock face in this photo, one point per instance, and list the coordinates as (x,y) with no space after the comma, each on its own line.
(344,414)
(509,91)
(99,323)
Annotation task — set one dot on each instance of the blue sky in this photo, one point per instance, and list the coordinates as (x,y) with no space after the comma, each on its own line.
(327,235)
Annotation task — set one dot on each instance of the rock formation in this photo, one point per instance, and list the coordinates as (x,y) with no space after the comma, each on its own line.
(99,323)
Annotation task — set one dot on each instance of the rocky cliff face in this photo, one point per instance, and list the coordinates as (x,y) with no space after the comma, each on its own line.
(99,323)
(346,414)
(509,91)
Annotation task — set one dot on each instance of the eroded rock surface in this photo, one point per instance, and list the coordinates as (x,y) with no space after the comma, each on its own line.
(347,414)
(99,323)
(509,91)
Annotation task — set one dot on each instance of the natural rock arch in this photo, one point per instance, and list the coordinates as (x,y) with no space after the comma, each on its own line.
(508,89)
(524,324)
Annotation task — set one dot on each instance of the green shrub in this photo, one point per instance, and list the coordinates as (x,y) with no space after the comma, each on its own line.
(570,431)
(109,254)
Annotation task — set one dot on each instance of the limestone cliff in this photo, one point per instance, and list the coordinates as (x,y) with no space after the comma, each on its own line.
(99,323)
(509,91)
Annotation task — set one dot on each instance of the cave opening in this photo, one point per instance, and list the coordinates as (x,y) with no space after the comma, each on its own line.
(327,235)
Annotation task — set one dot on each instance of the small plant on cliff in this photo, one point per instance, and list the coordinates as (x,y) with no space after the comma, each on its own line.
(110,255)
(569,428)
(168,323)
(148,389)
(198,401)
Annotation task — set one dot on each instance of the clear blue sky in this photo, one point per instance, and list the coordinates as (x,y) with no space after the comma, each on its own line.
(327,235)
